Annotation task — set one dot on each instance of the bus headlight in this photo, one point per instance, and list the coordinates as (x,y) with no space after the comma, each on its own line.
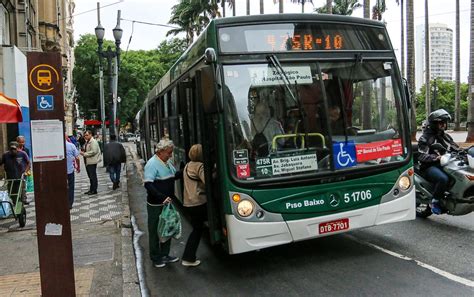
(404,183)
(245,208)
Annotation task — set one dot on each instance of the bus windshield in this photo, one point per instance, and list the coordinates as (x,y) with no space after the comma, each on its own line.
(305,118)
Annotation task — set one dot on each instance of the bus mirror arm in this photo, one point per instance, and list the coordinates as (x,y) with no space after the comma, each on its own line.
(407,93)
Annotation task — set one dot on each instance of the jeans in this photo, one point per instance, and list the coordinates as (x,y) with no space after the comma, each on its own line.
(198,216)
(92,174)
(114,171)
(157,249)
(440,179)
(70,188)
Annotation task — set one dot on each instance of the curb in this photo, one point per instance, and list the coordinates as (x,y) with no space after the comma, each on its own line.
(131,284)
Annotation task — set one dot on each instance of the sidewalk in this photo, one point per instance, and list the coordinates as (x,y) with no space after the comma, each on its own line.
(104,261)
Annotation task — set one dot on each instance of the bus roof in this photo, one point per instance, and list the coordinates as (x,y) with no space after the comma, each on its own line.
(286,17)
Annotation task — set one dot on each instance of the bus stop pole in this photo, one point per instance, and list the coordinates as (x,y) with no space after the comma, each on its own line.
(53,224)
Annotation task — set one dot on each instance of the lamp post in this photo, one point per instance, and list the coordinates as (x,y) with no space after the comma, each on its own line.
(109,54)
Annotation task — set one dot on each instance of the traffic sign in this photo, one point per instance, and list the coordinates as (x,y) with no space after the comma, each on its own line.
(45,102)
(344,154)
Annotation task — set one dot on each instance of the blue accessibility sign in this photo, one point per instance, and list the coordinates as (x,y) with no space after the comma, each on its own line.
(45,102)
(344,154)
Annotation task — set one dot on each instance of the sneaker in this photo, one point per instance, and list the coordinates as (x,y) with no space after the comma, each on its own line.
(435,208)
(170,259)
(191,264)
(159,264)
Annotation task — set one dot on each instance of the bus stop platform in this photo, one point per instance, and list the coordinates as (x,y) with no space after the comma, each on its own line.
(104,261)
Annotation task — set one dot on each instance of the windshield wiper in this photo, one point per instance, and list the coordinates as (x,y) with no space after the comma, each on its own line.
(276,63)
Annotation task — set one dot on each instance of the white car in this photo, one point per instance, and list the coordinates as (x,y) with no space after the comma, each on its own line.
(131,137)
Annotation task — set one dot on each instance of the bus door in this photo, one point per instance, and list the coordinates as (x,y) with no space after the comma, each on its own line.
(208,118)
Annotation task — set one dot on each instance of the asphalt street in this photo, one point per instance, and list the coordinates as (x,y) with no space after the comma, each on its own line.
(425,257)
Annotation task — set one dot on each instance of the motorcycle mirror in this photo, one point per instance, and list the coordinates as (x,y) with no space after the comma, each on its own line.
(445,159)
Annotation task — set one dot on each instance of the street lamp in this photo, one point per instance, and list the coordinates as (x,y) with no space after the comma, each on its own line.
(109,54)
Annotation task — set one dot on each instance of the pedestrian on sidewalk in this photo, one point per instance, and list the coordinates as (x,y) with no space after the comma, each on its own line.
(114,156)
(21,145)
(16,163)
(72,158)
(91,155)
(159,183)
(195,201)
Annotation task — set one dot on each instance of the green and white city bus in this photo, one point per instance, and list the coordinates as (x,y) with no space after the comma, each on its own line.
(304,122)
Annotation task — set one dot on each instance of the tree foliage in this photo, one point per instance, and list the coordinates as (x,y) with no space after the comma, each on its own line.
(139,72)
(445,93)
(192,16)
(340,7)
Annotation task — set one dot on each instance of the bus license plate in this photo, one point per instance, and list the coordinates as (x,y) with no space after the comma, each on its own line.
(334,226)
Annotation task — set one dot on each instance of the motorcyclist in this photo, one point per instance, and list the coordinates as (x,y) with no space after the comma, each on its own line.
(429,156)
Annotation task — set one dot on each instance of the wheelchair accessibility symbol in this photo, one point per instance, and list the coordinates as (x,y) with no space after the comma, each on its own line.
(344,154)
(45,102)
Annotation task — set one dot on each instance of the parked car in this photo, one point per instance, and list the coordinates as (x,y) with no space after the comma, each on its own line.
(131,137)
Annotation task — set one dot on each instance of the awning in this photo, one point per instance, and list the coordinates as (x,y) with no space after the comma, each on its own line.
(10,110)
(98,123)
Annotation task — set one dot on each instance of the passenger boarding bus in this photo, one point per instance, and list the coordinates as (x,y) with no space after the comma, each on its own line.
(304,122)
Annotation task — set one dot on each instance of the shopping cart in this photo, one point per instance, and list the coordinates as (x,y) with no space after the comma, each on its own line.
(13,207)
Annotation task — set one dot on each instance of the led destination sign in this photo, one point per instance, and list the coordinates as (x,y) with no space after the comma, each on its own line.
(301,37)
(304,42)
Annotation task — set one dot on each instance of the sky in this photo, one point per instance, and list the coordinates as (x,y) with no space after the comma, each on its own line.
(142,36)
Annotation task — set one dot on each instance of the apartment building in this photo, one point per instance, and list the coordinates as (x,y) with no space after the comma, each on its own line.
(441,53)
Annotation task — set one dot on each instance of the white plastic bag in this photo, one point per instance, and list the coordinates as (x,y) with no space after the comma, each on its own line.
(5,207)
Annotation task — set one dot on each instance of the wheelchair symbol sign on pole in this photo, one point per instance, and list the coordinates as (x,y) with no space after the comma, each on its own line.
(45,102)
(344,154)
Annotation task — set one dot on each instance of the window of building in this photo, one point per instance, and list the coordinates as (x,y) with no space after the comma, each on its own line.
(4,25)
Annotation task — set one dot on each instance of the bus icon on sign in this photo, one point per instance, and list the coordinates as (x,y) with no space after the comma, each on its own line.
(43,77)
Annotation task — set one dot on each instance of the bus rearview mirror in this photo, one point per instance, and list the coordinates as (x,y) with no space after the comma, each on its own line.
(206,78)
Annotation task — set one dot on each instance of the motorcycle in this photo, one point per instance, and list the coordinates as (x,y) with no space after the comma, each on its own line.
(459,198)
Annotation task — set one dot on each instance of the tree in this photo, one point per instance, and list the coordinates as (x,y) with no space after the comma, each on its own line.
(378,10)
(427,59)
(443,96)
(470,131)
(366,9)
(458,72)
(192,16)
(402,38)
(86,75)
(340,7)
(280,6)
(139,72)
(302,2)
(231,5)
(411,63)
(329,6)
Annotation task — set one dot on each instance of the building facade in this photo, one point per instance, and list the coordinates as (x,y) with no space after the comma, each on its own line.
(33,25)
(441,53)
